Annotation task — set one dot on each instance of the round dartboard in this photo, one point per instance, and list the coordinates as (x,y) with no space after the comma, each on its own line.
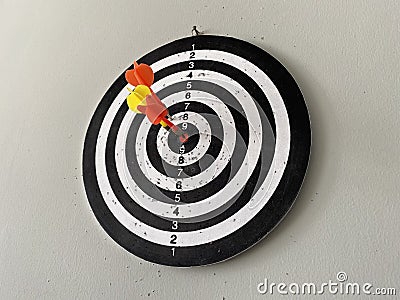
(229,184)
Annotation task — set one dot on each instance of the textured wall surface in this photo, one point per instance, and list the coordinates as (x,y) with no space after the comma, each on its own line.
(57,59)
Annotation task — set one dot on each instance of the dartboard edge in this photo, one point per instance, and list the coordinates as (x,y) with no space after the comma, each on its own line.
(242,177)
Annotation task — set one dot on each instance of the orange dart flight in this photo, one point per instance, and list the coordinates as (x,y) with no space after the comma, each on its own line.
(141,74)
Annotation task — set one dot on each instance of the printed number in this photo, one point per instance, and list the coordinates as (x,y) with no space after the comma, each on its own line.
(173,239)
(181,160)
(186,105)
(180,171)
(193,47)
(187,96)
(189,85)
(185,117)
(179,185)
(192,55)
(174,224)
(190,75)
(184,126)
(182,150)
(191,65)
(173,251)
(177,197)
(176,211)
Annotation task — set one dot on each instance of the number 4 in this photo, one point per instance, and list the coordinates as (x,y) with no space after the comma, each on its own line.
(176,211)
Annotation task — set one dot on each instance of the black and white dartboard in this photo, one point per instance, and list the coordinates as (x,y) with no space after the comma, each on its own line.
(233,180)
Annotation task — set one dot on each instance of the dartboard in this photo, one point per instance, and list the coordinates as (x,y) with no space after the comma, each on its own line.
(229,184)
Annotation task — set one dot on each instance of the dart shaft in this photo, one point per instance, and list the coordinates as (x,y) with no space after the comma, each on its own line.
(171,125)
(176,130)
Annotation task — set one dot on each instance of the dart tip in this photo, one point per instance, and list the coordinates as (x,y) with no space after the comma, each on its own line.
(135,64)
(184,137)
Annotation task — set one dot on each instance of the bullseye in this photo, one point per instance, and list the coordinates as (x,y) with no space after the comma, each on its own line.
(175,143)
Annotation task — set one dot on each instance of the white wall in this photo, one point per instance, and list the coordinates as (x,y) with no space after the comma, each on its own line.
(57,59)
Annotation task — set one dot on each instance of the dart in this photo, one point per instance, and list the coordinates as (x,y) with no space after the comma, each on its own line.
(143,100)
(147,102)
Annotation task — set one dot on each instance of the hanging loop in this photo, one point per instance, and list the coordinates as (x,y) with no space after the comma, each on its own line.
(195,32)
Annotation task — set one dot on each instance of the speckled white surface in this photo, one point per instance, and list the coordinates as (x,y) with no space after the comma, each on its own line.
(57,58)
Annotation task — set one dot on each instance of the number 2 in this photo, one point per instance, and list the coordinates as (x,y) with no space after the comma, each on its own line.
(173,239)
